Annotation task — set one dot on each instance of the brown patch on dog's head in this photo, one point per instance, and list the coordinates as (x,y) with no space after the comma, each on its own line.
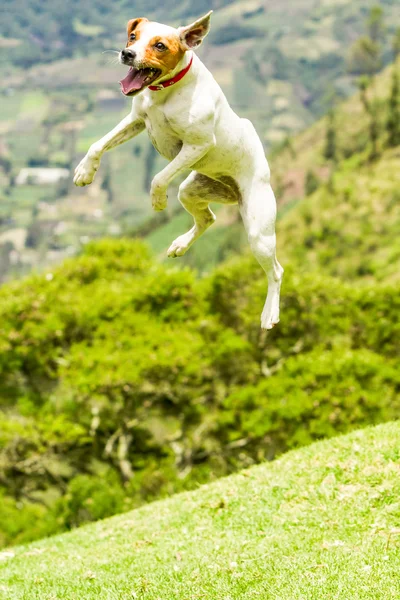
(164,53)
(133,27)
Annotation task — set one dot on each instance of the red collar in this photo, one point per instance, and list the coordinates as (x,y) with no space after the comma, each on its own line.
(166,84)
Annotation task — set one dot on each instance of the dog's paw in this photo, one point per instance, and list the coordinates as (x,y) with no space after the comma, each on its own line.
(85,171)
(159,203)
(159,198)
(180,245)
(269,319)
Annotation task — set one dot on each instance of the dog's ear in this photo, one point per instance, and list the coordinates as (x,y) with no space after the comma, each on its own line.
(133,23)
(192,35)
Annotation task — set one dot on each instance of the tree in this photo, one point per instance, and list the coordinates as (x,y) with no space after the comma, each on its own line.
(371,108)
(62,188)
(375,24)
(312,183)
(5,262)
(364,57)
(5,164)
(35,235)
(151,156)
(330,150)
(106,184)
(393,120)
(396,43)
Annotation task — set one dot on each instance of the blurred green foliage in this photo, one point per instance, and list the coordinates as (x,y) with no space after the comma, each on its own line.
(123,381)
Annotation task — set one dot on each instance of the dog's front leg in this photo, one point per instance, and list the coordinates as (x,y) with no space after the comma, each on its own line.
(189,155)
(128,128)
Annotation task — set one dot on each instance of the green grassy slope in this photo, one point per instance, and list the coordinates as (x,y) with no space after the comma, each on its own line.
(317,524)
(349,228)
(306,150)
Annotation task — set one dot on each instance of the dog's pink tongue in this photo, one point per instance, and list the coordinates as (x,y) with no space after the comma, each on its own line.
(133,81)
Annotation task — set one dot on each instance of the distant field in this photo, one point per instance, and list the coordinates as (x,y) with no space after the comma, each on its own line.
(10,107)
(34,105)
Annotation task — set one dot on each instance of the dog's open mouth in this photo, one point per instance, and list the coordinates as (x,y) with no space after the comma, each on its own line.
(137,79)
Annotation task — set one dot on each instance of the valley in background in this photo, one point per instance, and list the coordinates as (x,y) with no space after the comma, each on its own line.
(281,64)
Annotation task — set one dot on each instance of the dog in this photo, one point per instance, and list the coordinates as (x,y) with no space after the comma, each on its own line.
(190,123)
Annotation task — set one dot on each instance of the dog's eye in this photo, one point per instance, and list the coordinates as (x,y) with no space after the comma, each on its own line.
(161,46)
(132,37)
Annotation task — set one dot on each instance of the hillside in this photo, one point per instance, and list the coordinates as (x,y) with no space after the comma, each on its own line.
(274,58)
(122,381)
(279,63)
(318,523)
(347,223)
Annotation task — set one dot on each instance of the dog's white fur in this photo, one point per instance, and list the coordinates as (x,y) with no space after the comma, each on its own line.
(193,126)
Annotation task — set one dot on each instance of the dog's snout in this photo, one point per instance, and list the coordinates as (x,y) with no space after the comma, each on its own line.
(128,54)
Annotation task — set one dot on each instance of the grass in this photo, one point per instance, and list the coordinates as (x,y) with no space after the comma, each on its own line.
(34,106)
(24,146)
(319,523)
(350,230)
(9,107)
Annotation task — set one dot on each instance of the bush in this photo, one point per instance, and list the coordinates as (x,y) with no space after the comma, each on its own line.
(312,183)
(124,381)
(89,498)
(313,396)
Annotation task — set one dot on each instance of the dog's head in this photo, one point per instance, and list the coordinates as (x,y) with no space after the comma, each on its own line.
(154,51)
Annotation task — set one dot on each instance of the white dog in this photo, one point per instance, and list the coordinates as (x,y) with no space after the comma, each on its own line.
(190,123)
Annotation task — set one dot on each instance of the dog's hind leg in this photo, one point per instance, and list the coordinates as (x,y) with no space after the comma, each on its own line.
(195,194)
(258,210)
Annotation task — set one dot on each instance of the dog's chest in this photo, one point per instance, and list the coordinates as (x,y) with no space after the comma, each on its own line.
(163,138)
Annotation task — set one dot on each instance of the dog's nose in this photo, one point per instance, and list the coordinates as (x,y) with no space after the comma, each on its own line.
(128,54)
